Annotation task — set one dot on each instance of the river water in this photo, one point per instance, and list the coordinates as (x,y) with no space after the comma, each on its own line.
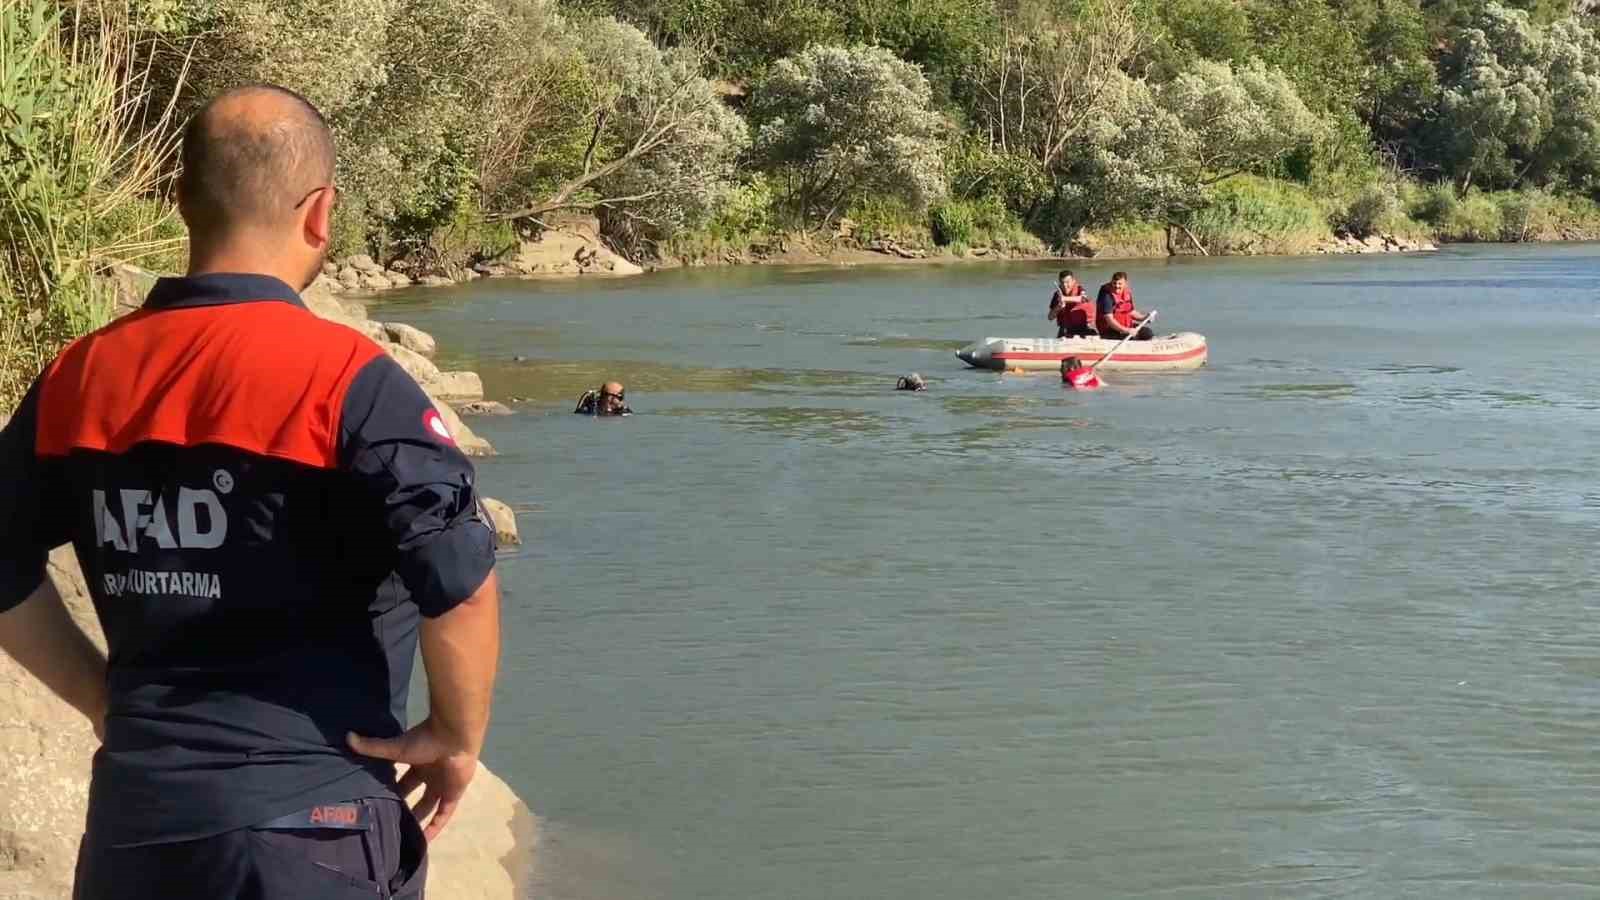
(1319,620)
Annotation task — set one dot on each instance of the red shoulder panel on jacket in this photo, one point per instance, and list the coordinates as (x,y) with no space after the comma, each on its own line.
(266,377)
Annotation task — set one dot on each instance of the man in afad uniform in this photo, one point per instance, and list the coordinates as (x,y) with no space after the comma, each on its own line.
(269,512)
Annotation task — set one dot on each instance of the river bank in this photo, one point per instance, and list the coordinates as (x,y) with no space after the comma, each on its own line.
(577,250)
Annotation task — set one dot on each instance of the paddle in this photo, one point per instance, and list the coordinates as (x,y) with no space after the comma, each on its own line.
(1126,338)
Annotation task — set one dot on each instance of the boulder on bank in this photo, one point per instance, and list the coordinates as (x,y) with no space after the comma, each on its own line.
(469,442)
(571,246)
(455,387)
(411,338)
(364,264)
(504,521)
(419,367)
(487,851)
(130,284)
(483,408)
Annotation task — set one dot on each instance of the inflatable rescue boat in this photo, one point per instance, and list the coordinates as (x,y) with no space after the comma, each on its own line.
(1180,352)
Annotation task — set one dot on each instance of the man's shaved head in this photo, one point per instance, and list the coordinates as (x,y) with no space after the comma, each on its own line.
(249,156)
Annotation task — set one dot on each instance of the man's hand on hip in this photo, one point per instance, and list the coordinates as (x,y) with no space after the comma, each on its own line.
(437,764)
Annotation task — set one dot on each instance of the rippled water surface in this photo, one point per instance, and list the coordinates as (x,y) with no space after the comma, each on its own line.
(1319,620)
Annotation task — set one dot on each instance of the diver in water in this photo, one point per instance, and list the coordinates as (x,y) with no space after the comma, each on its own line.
(607,400)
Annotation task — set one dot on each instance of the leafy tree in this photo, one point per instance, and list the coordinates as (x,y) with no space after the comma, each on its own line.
(1047,79)
(1192,30)
(835,124)
(658,143)
(1308,40)
(1520,103)
(330,50)
(944,37)
(1242,120)
(1401,85)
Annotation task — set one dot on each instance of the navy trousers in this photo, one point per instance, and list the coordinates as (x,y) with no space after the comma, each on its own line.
(360,850)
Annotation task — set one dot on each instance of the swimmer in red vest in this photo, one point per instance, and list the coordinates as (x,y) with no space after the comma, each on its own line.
(1115,314)
(1070,308)
(1076,375)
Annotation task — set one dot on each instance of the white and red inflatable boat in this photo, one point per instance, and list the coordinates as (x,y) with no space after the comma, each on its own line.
(1183,352)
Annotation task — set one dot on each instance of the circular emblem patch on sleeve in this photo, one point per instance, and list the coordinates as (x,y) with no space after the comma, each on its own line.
(434,423)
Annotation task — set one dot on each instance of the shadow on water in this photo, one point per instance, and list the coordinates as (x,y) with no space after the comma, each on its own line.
(1298,392)
(1461,397)
(1398,369)
(831,426)
(907,343)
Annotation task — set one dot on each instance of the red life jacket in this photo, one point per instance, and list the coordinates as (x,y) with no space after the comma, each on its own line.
(1072,317)
(1122,311)
(1080,317)
(1083,379)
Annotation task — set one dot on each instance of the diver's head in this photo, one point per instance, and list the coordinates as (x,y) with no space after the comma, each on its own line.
(611,400)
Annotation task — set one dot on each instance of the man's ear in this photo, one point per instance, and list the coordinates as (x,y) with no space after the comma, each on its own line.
(317,227)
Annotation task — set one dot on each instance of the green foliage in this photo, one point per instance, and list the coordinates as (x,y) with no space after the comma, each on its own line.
(330,50)
(1194,30)
(835,125)
(1375,208)
(943,37)
(1241,120)
(888,218)
(746,211)
(1475,217)
(1308,40)
(952,222)
(1249,214)
(1521,102)
(1402,86)
(79,165)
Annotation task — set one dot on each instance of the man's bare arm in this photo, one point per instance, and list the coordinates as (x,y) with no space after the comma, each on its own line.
(461,652)
(41,635)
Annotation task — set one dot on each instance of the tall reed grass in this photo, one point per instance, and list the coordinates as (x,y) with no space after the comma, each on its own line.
(85,154)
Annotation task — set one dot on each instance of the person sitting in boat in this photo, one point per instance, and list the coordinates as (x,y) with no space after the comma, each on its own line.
(1076,375)
(1070,308)
(912,382)
(607,400)
(1115,314)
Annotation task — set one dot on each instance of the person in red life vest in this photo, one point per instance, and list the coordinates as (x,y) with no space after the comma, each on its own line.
(1070,308)
(1075,374)
(1115,314)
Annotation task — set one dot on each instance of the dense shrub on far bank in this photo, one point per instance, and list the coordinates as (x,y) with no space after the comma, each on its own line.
(1259,215)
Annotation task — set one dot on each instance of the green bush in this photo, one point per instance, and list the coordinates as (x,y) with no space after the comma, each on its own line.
(745,212)
(1475,217)
(78,168)
(1434,204)
(1127,239)
(1372,210)
(1249,214)
(952,222)
(884,218)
